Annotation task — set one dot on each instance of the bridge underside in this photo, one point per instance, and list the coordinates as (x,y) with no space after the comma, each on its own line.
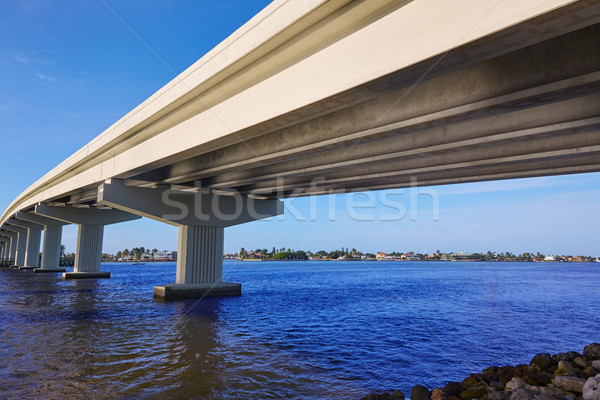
(531,112)
(523,101)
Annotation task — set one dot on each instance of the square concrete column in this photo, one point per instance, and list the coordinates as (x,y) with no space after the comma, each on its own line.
(200,254)
(199,266)
(201,217)
(51,249)
(90,234)
(32,253)
(89,248)
(34,236)
(12,243)
(20,245)
(51,243)
(12,253)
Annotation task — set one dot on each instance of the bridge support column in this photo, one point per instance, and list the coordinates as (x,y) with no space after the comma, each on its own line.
(90,235)
(51,242)
(199,266)
(88,254)
(8,239)
(201,217)
(11,249)
(32,254)
(51,249)
(34,235)
(20,245)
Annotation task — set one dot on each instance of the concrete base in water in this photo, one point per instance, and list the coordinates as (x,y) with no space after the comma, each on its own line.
(180,291)
(28,268)
(85,275)
(15,266)
(40,270)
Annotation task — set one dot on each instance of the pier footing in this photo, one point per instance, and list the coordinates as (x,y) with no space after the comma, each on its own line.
(180,291)
(85,275)
(28,268)
(41,270)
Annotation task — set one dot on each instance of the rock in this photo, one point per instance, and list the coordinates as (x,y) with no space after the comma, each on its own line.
(549,397)
(568,383)
(582,362)
(524,394)
(499,396)
(592,351)
(591,389)
(568,356)
(438,394)
(396,395)
(472,380)
(589,372)
(563,367)
(497,385)
(474,392)
(420,392)
(515,384)
(550,391)
(542,360)
(533,375)
(505,374)
(453,389)
(596,364)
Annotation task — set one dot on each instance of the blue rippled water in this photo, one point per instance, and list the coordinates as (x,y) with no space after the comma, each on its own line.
(301,330)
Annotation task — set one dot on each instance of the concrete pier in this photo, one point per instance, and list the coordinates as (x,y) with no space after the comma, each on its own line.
(201,232)
(52,240)
(34,236)
(181,291)
(21,244)
(90,235)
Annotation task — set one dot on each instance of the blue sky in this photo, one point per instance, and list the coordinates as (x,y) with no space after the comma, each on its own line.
(69,69)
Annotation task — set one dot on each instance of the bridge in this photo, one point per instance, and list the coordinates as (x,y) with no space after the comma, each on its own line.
(315,96)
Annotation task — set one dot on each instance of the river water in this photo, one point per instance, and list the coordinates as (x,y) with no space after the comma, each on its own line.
(305,330)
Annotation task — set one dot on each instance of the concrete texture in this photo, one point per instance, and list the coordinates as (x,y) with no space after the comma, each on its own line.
(85,275)
(177,291)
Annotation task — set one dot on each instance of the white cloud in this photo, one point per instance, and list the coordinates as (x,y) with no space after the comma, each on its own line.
(45,77)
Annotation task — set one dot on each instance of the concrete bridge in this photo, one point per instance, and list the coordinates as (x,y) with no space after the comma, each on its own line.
(313,96)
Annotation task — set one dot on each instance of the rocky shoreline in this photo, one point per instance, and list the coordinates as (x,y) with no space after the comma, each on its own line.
(563,376)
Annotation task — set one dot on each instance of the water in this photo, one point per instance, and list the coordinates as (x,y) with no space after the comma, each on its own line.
(306,330)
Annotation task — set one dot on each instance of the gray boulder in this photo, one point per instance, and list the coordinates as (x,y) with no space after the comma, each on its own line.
(568,356)
(592,351)
(569,383)
(563,367)
(582,362)
(542,360)
(420,392)
(500,395)
(596,364)
(591,389)
(524,394)
(515,384)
